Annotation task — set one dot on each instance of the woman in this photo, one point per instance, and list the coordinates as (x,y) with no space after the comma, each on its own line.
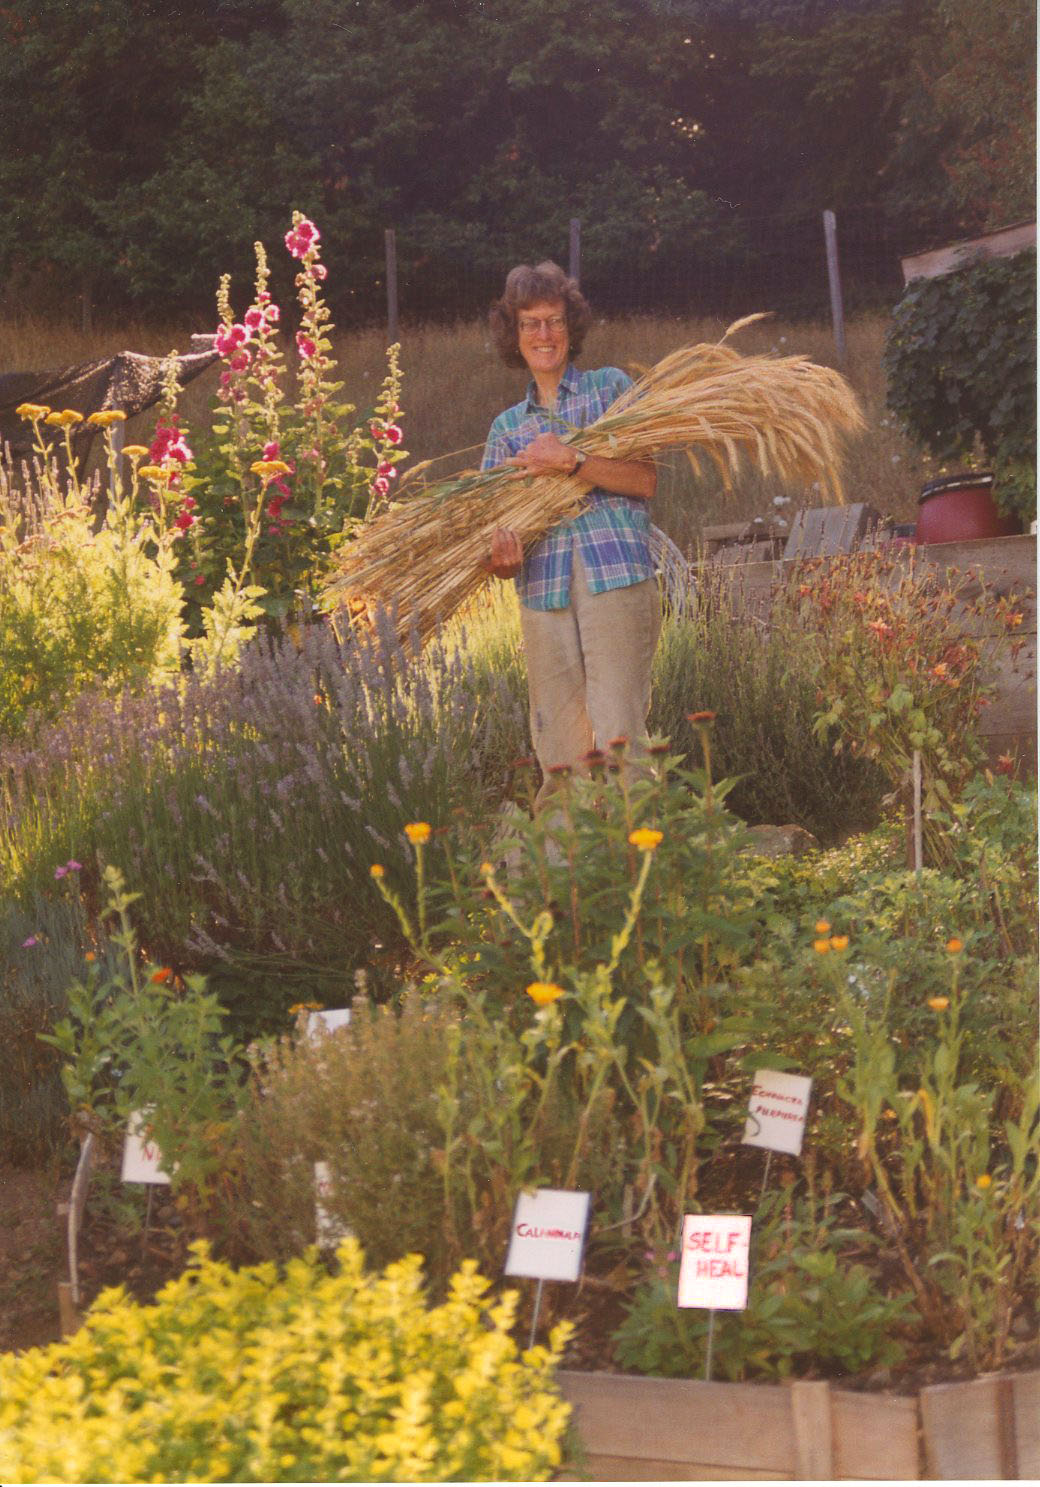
(590,606)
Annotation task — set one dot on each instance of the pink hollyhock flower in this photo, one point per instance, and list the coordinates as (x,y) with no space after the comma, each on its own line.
(225,378)
(263,297)
(272,450)
(392,434)
(272,314)
(254,318)
(319,270)
(386,469)
(239,362)
(184,521)
(304,345)
(380,485)
(302,238)
(189,503)
(200,578)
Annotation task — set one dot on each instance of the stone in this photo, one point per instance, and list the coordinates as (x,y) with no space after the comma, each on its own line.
(782,841)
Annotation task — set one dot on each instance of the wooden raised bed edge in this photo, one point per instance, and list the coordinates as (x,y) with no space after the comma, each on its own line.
(647,1429)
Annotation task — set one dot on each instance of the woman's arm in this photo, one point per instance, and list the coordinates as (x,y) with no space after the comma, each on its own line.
(548,455)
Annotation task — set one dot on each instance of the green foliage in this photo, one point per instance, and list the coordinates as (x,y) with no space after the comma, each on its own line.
(961,367)
(812,1308)
(249,1376)
(80,605)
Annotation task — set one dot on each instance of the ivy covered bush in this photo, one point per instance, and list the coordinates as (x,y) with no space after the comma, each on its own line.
(961,366)
(252,1376)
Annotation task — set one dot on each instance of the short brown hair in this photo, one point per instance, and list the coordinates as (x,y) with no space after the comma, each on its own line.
(526,286)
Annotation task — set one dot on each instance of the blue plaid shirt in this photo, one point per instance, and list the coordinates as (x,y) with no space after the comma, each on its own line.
(612,532)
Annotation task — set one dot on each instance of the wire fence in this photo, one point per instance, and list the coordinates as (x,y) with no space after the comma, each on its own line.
(777,263)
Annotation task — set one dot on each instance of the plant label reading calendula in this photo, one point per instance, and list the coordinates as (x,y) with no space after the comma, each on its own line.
(142,1159)
(548,1235)
(327,1021)
(713,1270)
(777,1111)
(328,1229)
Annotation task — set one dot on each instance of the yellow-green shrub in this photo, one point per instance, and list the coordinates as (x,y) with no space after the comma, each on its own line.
(252,1376)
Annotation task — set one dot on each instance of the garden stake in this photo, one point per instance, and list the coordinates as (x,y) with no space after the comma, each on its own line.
(917,815)
(537,1309)
(765,1176)
(711,1342)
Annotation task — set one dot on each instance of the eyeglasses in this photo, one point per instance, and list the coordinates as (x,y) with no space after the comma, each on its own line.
(530,323)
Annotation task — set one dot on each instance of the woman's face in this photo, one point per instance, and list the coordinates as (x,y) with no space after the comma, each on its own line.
(542,337)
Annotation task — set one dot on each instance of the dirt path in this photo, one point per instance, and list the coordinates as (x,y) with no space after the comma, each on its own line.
(32,1256)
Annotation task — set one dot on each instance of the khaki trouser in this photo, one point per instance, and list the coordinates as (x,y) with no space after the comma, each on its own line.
(588,669)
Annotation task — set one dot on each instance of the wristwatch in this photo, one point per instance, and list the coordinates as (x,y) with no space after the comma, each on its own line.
(579,459)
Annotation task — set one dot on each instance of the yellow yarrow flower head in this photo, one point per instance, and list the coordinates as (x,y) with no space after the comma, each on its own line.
(32,411)
(65,419)
(938,1003)
(821,946)
(377,870)
(418,832)
(645,839)
(106,417)
(954,945)
(822,926)
(152,472)
(268,469)
(135,451)
(544,993)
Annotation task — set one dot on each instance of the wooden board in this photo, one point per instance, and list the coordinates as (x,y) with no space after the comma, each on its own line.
(1004,243)
(983,1430)
(645,1429)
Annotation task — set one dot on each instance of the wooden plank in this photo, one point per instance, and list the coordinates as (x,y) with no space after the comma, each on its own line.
(875,1436)
(627,1469)
(744,1427)
(1004,243)
(1026,1394)
(961,1431)
(824,531)
(813,1431)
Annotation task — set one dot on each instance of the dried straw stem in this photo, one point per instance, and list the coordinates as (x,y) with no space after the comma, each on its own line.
(423,556)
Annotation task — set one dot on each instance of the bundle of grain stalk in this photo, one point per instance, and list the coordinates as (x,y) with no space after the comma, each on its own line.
(423,556)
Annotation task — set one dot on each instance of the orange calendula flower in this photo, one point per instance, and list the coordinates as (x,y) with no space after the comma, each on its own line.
(821,946)
(377,870)
(822,926)
(705,716)
(938,1003)
(487,868)
(954,946)
(418,832)
(839,942)
(162,974)
(544,993)
(983,1181)
(90,957)
(106,417)
(645,838)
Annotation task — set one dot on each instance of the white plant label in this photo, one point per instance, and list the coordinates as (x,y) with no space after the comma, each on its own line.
(548,1235)
(777,1111)
(328,1229)
(713,1270)
(142,1159)
(327,1021)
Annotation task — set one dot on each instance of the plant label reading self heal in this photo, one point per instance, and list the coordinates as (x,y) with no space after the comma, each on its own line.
(142,1159)
(548,1235)
(328,1229)
(777,1111)
(327,1021)
(713,1271)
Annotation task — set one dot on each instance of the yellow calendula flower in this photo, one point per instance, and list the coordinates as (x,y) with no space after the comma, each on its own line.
(954,945)
(821,946)
(839,942)
(544,993)
(645,838)
(135,451)
(487,868)
(65,419)
(938,1003)
(32,411)
(377,870)
(106,417)
(983,1181)
(822,926)
(418,832)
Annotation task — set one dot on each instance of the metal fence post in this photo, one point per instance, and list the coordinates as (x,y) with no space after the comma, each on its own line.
(830,234)
(391,286)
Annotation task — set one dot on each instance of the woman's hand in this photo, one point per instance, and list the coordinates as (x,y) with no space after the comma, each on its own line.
(545,455)
(548,455)
(507,554)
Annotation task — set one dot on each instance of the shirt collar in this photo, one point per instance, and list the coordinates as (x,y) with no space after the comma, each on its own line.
(568,383)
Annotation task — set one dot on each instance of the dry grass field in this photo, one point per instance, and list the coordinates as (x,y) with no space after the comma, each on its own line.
(454,385)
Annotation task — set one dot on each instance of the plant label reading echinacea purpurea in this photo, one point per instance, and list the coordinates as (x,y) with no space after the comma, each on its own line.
(548,1235)
(142,1159)
(777,1111)
(713,1270)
